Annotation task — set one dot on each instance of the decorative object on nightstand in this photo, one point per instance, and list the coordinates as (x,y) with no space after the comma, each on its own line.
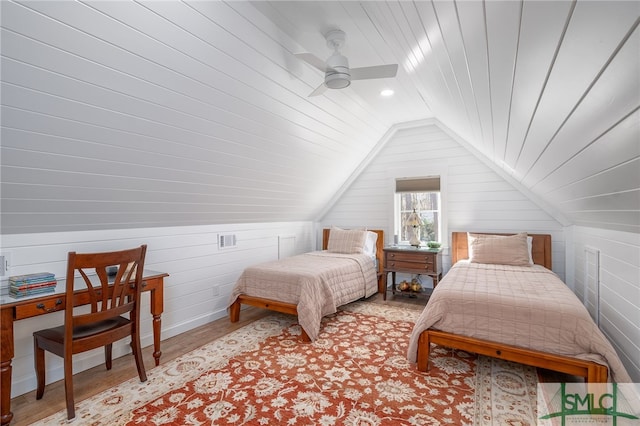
(411,288)
(414,221)
(404,286)
(416,286)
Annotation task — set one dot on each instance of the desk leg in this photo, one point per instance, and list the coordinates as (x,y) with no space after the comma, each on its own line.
(6,355)
(157,307)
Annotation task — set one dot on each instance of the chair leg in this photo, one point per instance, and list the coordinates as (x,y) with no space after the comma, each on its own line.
(107,355)
(38,359)
(68,387)
(137,354)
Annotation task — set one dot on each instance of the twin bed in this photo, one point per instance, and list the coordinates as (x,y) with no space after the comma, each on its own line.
(499,299)
(503,302)
(313,285)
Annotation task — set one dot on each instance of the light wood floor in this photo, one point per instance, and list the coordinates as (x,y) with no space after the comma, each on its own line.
(26,409)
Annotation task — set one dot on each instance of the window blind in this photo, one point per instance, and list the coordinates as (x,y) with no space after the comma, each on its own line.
(425,184)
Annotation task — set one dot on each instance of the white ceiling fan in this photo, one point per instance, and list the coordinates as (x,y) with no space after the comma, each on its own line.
(337,74)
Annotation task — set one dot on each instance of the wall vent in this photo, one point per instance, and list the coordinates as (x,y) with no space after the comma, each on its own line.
(227,241)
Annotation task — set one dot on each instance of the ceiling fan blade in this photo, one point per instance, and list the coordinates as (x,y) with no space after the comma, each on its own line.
(319,90)
(312,60)
(378,71)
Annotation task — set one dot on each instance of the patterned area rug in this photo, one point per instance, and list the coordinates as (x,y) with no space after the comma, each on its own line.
(356,373)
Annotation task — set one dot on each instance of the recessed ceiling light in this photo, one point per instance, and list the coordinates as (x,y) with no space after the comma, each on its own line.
(386,92)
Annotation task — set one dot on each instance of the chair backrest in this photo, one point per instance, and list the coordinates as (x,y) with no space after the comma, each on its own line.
(109,295)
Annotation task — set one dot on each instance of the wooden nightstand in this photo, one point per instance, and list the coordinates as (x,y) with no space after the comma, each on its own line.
(412,260)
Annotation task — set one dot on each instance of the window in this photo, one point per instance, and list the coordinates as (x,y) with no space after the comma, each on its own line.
(423,196)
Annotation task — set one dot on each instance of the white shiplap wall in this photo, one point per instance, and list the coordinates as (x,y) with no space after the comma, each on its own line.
(548,90)
(196,292)
(123,114)
(474,197)
(619,274)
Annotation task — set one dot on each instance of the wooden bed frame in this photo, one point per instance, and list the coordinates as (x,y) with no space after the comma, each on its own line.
(541,253)
(289,308)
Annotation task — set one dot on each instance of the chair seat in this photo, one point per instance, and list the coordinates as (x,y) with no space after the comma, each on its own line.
(56,334)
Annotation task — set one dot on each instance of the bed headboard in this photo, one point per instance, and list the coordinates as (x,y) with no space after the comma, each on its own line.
(379,244)
(540,249)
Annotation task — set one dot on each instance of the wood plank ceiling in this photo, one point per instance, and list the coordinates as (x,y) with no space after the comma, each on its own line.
(134,114)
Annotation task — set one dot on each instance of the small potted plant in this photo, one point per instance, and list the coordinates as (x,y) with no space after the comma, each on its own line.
(434,244)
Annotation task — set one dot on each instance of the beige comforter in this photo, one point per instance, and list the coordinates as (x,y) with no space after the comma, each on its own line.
(529,307)
(317,282)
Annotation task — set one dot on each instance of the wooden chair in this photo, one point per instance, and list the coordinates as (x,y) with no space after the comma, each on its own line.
(110,298)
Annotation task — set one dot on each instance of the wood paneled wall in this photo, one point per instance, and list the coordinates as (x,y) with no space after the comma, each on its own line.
(196,292)
(123,114)
(474,198)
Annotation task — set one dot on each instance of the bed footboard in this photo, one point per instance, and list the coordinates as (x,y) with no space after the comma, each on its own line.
(591,371)
(273,305)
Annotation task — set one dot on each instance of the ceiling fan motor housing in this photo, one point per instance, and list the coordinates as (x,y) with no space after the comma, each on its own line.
(337,75)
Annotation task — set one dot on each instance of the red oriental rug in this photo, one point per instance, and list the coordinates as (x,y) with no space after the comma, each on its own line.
(356,373)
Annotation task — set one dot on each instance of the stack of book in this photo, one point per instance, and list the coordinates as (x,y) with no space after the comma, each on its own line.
(32,284)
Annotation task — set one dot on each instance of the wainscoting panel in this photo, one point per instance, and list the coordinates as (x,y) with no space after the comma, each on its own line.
(591,288)
(286,246)
(196,292)
(619,277)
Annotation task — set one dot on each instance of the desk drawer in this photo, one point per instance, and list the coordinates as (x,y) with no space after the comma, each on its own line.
(40,307)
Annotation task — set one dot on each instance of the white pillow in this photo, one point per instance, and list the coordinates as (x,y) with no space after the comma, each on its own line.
(370,244)
(529,248)
(347,241)
(499,249)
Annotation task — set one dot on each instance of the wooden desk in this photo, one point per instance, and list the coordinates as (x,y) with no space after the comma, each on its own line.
(16,309)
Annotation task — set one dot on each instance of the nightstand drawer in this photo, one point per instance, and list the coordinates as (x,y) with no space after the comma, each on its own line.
(417,267)
(411,257)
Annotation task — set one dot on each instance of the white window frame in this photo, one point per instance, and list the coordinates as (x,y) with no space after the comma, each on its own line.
(410,172)
(397,214)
